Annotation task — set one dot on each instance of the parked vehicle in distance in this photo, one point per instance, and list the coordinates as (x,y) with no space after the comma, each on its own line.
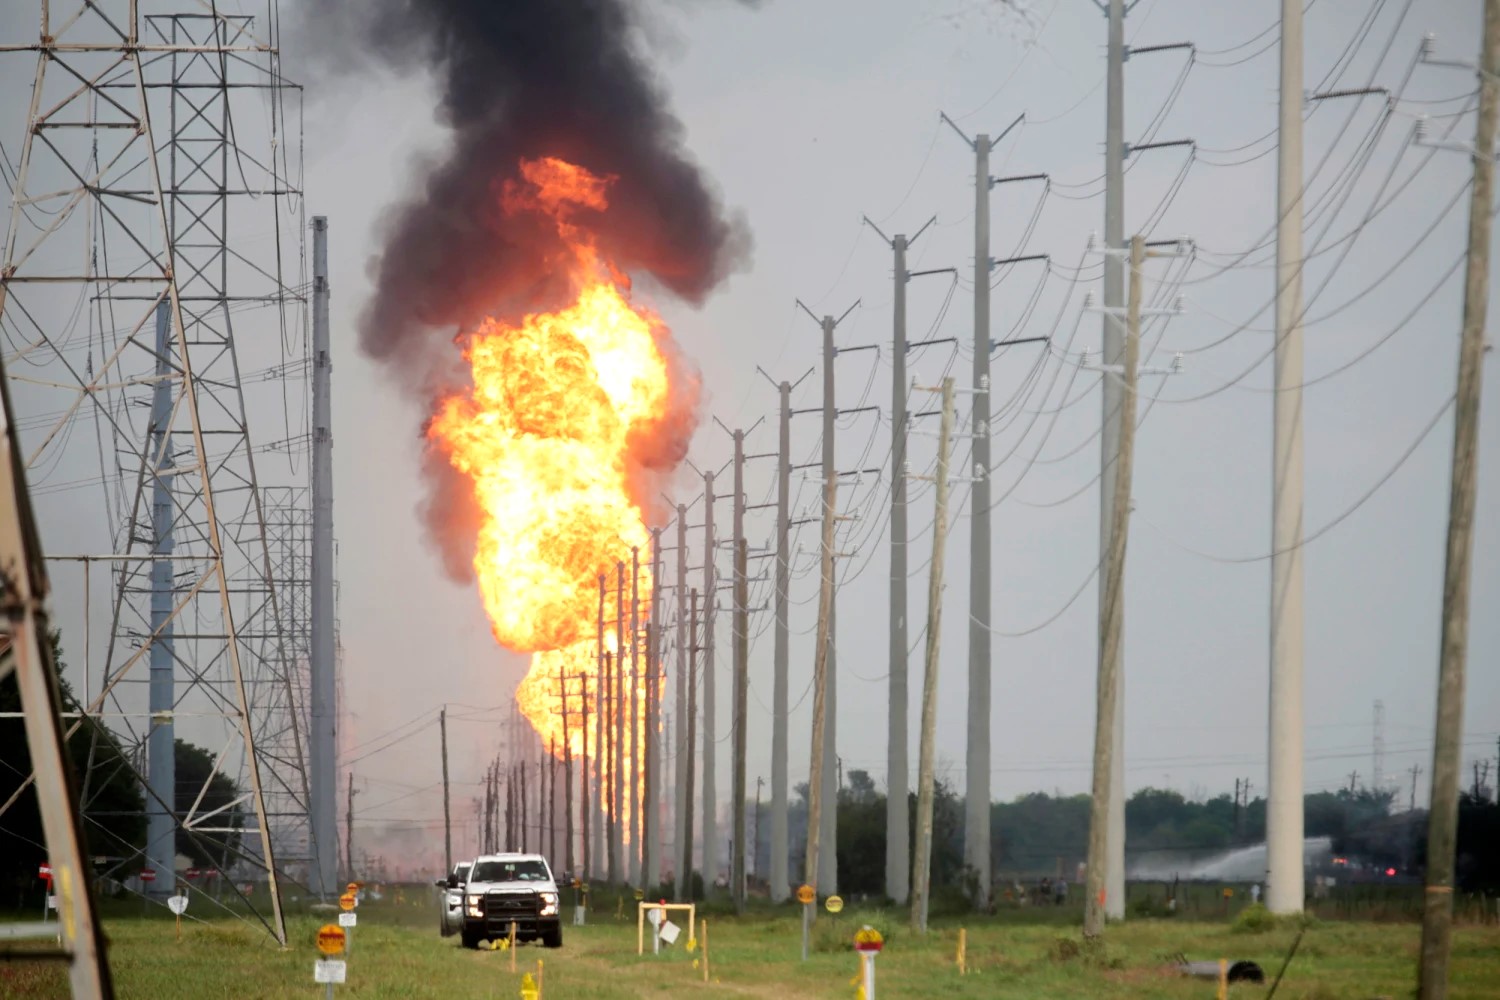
(505,889)
(451,920)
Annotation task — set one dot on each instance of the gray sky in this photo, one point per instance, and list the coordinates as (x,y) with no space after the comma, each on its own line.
(807,115)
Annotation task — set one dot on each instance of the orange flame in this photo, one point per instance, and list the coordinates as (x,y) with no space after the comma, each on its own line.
(545,435)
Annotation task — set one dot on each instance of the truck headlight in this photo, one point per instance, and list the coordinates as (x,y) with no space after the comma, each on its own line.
(549,904)
(476,905)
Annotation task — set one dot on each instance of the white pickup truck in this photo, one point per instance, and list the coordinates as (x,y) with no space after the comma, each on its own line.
(505,889)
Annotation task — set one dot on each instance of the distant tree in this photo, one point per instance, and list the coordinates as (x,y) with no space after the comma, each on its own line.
(195,765)
(861,787)
(113,808)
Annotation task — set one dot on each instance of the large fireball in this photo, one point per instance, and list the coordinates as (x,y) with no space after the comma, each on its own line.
(546,435)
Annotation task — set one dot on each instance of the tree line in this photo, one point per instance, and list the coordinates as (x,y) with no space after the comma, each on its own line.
(114,805)
(1038,834)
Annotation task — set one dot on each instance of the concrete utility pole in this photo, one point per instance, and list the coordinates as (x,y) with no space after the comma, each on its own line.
(821,784)
(618,868)
(549,774)
(977,759)
(682,813)
(322,663)
(161,759)
(897,825)
(447,810)
(741,676)
(741,693)
(1284,819)
(585,806)
(780,883)
(685,871)
(1442,821)
(710,730)
(612,767)
(651,821)
(601,752)
(633,706)
(921,879)
(1111,619)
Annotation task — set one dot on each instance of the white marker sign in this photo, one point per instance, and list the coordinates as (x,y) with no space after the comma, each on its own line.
(51,902)
(669,932)
(346,919)
(177,904)
(330,970)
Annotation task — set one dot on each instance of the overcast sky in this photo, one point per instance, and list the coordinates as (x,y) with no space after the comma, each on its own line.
(807,115)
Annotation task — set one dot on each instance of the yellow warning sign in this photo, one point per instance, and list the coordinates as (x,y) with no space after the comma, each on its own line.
(346,901)
(330,939)
(805,894)
(834,904)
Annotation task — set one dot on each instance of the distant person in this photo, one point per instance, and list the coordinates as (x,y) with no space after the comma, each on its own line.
(1044,891)
(1060,891)
(1255,893)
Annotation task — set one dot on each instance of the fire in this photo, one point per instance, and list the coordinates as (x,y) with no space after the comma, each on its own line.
(560,402)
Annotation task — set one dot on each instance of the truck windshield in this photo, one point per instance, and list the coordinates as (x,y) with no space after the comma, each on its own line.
(509,871)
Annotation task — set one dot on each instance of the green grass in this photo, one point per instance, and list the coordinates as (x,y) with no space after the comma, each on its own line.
(397,953)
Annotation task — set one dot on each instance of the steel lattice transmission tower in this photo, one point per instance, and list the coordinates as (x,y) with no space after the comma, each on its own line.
(150,325)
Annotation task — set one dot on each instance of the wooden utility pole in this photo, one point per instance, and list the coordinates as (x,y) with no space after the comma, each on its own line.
(1411,805)
(552,799)
(651,818)
(755,840)
(685,873)
(619,870)
(921,875)
(1442,816)
(447,813)
(1111,619)
(820,681)
(349,829)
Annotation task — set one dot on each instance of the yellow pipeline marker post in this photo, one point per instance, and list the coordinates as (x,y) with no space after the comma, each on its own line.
(868,942)
(512,946)
(807,896)
(331,941)
(963,951)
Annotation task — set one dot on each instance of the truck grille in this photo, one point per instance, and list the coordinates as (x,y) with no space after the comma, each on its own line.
(509,906)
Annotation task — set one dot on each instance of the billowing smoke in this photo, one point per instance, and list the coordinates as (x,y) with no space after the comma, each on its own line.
(521,80)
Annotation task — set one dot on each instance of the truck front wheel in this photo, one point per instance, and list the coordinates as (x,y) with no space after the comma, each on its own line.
(552,937)
(471,939)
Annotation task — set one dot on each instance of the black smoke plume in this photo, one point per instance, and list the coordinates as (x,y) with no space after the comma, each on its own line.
(521,79)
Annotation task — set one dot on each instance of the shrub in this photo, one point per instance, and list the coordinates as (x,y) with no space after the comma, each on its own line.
(1254,919)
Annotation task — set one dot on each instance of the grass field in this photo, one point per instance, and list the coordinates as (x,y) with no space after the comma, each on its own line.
(397,953)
